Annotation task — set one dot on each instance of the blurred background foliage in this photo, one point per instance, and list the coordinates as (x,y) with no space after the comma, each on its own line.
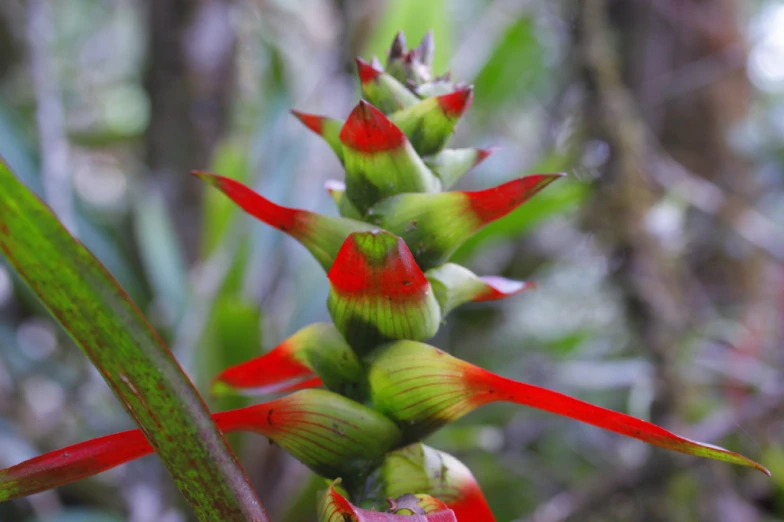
(658,261)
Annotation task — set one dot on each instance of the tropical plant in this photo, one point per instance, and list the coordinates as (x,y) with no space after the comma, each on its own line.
(362,392)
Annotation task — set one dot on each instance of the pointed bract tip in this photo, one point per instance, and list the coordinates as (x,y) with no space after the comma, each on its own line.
(368,130)
(311,121)
(501,287)
(427,48)
(376,63)
(456,103)
(496,202)
(334,185)
(209,177)
(398,46)
(482,154)
(367,73)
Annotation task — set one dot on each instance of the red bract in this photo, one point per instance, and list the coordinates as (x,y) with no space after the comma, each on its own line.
(367,130)
(368,265)
(494,203)
(321,235)
(456,103)
(423,388)
(315,355)
(329,433)
(334,507)
(378,293)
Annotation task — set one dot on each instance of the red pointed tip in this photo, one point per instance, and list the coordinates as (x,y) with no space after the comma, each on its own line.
(456,103)
(367,73)
(283,218)
(212,179)
(334,185)
(501,287)
(368,130)
(496,202)
(276,370)
(471,504)
(489,387)
(311,121)
(482,154)
(377,263)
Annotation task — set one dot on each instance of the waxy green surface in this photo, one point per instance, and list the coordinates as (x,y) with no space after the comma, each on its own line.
(103,321)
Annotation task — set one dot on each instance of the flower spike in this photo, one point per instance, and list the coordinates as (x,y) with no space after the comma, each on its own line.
(423,388)
(378,293)
(379,159)
(450,164)
(412,67)
(332,435)
(418,467)
(431,122)
(383,90)
(454,285)
(315,355)
(321,235)
(334,507)
(326,127)
(435,225)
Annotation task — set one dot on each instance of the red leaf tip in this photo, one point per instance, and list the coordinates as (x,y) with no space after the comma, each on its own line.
(500,287)
(368,130)
(311,121)
(367,73)
(456,103)
(496,202)
(482,154)
(334,185)
(212,179)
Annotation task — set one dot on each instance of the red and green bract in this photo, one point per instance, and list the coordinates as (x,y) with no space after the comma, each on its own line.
(390,285)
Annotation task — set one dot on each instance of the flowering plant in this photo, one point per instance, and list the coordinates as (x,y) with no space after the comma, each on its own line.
(361,392)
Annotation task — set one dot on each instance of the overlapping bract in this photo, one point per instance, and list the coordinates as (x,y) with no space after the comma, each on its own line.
(391,284)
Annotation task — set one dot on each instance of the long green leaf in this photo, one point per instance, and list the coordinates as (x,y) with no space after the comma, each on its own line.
(133,360)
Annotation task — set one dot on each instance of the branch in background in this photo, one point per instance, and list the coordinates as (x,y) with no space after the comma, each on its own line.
(726,206)
(653,282)
(189,82)
(50,115)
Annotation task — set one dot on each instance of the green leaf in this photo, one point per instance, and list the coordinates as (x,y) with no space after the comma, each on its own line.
(131,357)
(514,69)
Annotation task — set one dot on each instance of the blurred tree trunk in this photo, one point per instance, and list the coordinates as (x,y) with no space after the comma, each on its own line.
(189,82)
(683,99)
(693,92)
